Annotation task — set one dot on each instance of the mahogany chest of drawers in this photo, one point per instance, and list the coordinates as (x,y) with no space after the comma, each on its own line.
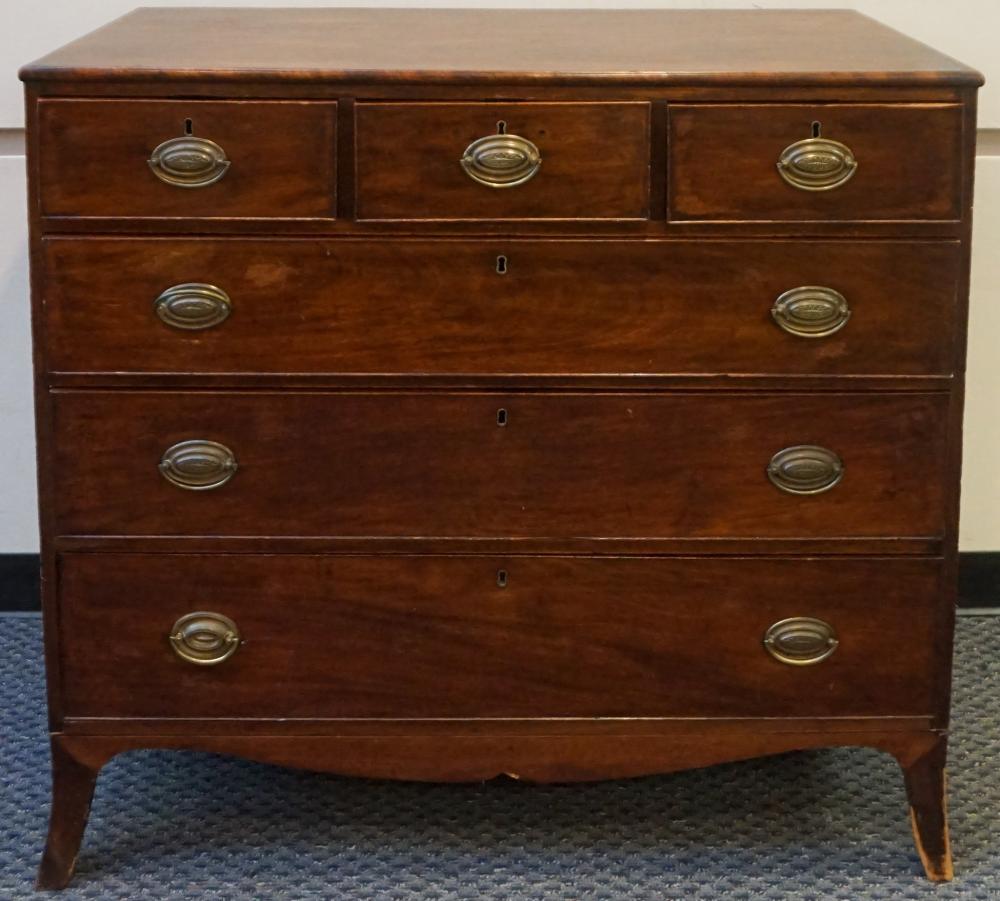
(442,395)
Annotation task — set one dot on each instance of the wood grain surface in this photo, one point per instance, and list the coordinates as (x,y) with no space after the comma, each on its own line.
(94,158)
(420,308)
(595,161)
(420,46)
(429,637)
(722,161)
(435,464)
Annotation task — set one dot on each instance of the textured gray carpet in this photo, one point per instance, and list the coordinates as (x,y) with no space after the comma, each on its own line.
(818,825)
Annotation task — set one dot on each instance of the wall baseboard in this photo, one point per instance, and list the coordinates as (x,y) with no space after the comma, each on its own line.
(978,581)
(19,582)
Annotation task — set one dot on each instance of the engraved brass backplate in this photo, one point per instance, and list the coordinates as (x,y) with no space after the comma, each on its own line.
(817,164)
(805,469)
(801,641)
(204,638)
(193,306)
(198,465)
(811,311)
(189,162)
(501,160)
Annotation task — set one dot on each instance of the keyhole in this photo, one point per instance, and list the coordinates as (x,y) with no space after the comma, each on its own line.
(502,265)
(502,417)
(501,578)
(817,127)
(501,127)
(188,127)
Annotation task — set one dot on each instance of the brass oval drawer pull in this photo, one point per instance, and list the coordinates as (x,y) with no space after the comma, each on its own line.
(811,311)
(198,465)
(801,641)
(805,469)
(193,306)
(501,160)
(817,164)
(189,162)
(204,638)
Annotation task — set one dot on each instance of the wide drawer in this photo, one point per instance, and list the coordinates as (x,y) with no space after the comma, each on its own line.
(816,162)
(498,464)
(500,307)
(187,159)
(502,160)
(416,637)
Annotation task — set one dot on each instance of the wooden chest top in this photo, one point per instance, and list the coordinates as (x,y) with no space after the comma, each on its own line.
(464,46)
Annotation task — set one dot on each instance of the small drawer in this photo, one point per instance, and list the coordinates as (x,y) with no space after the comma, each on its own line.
(502,160)
(822,162)
(206,636)
(500,307)
(432,464)
(177,158)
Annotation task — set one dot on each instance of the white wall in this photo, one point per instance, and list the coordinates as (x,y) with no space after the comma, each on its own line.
(981,466)
(967,29)
(18,526)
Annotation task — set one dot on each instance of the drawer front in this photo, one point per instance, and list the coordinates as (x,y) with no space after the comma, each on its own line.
(416,637)
(499,464)
(442,307)
(724,162)
(553,160)
(136,159)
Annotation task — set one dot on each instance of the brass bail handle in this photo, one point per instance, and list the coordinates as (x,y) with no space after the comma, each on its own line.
(811,311)
(501,160)
(192,306)
(189,162)
(805,469)
(817,163)
(204,638)
(198,464)
(801,641)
